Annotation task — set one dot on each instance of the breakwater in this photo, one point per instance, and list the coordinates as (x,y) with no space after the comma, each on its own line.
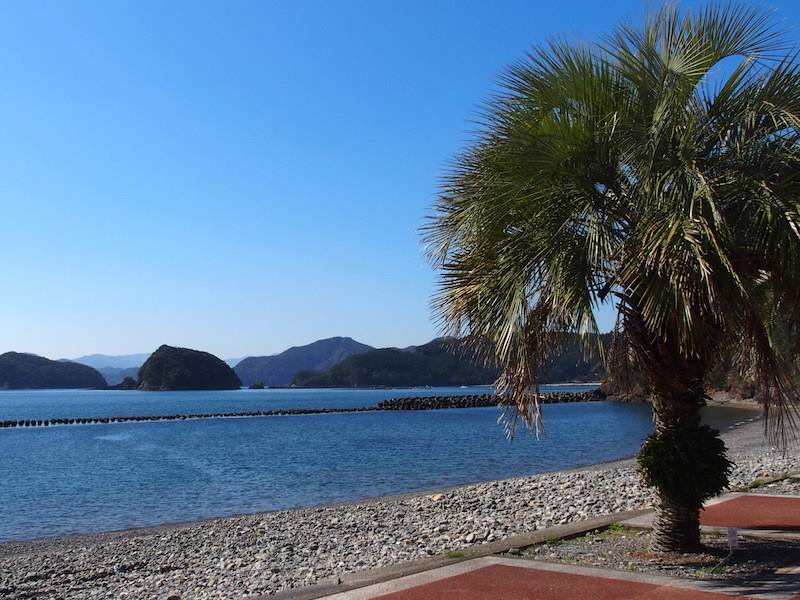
(185,417)
(482,400)
(412,403)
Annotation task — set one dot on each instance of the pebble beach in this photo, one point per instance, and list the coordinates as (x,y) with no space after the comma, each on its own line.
(266,553)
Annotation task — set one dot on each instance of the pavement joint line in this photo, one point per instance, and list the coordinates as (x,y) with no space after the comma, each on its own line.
(777,534)
(368,577)
(739,494)
(645,521)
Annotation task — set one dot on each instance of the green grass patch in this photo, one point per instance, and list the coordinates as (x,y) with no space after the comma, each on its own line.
(553,540)
(716,569)
(759,483)
(613,530)
(455,554)
(616,529)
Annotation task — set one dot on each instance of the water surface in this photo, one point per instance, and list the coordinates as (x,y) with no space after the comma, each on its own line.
(85,478)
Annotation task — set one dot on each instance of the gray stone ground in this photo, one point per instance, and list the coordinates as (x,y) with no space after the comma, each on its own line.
(628,550)
(265,553)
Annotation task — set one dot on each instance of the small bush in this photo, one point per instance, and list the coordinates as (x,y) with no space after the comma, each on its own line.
(687,464)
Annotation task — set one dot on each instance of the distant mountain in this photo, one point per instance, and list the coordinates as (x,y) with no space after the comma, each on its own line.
(29,371)
(433,364)
(438,363)
(280,369)
(119,361)
(118,366)
(171,368)
(571,365)
(114,375)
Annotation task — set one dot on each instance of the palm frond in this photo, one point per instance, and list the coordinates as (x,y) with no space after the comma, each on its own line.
(623,168)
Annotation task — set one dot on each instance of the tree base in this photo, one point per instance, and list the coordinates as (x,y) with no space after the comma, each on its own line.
(676,528)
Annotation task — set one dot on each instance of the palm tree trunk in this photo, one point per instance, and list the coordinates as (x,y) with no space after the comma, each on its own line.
(683,460)
(678,394)
(676,527)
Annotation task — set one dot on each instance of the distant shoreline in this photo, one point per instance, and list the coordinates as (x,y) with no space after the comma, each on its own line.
(423,387)
(289,387)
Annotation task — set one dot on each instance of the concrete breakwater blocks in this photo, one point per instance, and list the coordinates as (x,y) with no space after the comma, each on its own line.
(481,400)
(413,403)
(185,417)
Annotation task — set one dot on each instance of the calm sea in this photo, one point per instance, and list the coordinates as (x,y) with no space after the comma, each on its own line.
(87,478)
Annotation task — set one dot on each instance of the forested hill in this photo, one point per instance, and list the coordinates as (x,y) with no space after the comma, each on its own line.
(29,371)
(434,364)
(171,368)
(571,366)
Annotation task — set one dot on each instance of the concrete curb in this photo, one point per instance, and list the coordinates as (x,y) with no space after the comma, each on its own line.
(763,482)
(368,577)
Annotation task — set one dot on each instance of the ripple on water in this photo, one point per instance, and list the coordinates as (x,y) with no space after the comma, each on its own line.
(115,437)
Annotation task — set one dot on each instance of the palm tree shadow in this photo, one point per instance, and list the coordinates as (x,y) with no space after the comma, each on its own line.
(756,568)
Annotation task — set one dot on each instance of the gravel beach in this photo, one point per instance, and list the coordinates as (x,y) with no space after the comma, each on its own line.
(265,553)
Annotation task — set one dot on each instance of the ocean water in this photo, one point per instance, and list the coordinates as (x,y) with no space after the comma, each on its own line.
(42,404)
(88,478)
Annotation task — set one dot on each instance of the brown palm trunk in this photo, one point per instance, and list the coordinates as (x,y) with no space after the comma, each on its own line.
(676,527)
(677,388)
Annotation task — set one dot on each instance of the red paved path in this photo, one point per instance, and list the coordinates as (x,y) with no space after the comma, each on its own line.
(501,582)
(754,512)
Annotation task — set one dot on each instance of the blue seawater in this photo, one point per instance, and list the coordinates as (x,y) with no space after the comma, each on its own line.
(88,478)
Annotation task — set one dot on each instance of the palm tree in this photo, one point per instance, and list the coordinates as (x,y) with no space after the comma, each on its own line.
(660,170)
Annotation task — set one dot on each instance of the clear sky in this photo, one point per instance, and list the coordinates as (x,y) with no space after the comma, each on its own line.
(240,177)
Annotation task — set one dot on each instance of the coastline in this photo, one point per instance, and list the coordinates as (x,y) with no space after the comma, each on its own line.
(7,547)
(625,461)
(420,387)
(268,552)
(721,398)
(717,399)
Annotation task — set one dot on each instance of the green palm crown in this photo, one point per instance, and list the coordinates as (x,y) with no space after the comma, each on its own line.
(659,169)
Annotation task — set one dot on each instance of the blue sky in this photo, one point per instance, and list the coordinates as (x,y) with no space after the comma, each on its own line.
(240,177)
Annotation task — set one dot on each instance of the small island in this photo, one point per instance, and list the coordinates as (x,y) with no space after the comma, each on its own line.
(172,369)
